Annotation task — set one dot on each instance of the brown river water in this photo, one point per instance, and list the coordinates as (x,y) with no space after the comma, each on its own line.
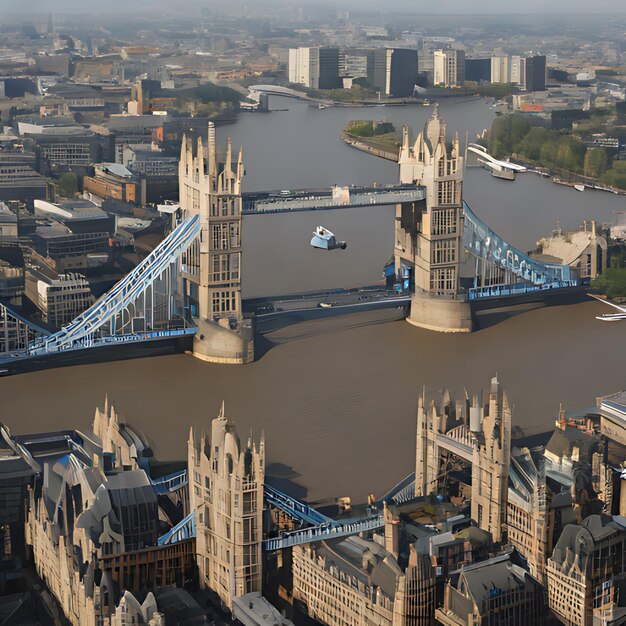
(337,398)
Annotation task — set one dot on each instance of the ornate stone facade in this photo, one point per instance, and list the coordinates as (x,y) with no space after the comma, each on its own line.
(211,269)
(478,434)
(429,234)
(355,581)
(226,493)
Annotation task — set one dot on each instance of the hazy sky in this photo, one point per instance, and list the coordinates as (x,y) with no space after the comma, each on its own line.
(412,6)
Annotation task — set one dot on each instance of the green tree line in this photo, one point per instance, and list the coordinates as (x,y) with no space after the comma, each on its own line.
(514,134)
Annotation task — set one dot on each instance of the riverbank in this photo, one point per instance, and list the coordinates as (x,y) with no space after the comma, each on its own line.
(568,178)
(370,146)
(324,100)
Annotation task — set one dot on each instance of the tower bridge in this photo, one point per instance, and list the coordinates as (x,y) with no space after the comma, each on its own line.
(286,201)
(446,262)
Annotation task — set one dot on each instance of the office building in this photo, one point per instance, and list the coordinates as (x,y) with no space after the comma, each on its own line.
(114,180)
(74,234)
(500,69)
(226,494)
(355,581)
(18,178)
(302,68)
(536,73)
(315,68)
(478,70)
(518,71)
(492,592)
(508,69)
(449,68)
(585,560)
(403,72)
(61,147)
(148,160)
(60,299)
(393,72)
(378,69)
(354,64)
(11,271)
(79,215)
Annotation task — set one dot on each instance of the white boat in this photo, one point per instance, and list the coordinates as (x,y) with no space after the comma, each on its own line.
(325,240)
(579,187)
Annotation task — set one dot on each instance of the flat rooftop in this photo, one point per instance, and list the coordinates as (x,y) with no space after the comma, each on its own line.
(614,406)
(70,210)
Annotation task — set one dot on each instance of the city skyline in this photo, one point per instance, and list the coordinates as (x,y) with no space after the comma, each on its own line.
(335,278)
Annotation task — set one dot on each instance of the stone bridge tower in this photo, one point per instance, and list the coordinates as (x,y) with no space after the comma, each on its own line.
(476,433)
(429,233)
(211,268)
(226,480)
(491,427)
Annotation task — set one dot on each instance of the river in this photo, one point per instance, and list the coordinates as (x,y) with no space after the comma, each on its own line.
(337,398)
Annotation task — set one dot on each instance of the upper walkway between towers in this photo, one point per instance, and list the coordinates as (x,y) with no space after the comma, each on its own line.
(286,200)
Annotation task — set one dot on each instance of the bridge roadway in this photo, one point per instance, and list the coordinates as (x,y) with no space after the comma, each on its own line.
(331,301)
(288,201)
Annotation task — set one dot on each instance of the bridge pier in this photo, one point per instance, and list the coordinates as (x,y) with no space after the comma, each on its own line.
(216,344)
(440,314)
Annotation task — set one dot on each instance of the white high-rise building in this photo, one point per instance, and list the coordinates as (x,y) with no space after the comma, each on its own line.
(500,69)
(449,68)
(518,70)
(304,66)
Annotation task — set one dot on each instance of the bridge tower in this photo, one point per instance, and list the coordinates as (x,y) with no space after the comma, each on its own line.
(226,482)
(491,427)
(476,433)
(211,268)
(429,233)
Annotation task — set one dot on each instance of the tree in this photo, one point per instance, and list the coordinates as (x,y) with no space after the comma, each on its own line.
(531,145)
(68,185)
(570,153)
(500,136)
(596,162)
(612,282)
(507,133)
(520,127)
(615,178)
(547,154)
